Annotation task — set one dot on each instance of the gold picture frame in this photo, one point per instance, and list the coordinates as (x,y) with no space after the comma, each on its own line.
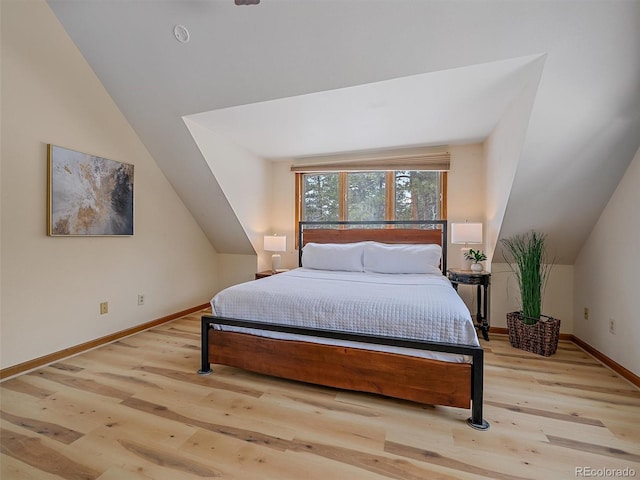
(88,195)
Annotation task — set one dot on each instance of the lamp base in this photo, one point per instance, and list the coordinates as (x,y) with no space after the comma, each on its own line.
(464,263)
(275,262)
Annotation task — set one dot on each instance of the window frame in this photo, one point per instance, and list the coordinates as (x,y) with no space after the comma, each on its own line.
(390,192)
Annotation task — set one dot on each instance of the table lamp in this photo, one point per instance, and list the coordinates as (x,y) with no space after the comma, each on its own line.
(466,233)
(275,243)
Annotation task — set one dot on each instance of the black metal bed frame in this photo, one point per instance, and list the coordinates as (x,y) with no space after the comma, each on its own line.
(477,353)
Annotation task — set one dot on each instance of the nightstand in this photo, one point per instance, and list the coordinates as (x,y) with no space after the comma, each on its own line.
(267,273)
(483,281)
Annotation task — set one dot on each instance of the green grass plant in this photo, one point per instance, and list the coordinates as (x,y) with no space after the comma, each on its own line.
(528,260)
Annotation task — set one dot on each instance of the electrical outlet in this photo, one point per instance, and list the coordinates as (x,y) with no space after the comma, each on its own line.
(141,299)
(612,326)
(586,313)
(104,308)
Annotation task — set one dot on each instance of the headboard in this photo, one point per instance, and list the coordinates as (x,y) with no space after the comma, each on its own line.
(391,231)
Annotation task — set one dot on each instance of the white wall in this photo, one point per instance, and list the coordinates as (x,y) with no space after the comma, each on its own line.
(234,269)
(502,152)
(606,276)
(283,213)
(466,194)
(52,286)
(249,193)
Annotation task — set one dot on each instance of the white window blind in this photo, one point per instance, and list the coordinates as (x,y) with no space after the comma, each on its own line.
(415,159)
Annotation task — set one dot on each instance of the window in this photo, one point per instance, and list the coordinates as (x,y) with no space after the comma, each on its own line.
(366,196)
(418,196)
(371,195)
(321,198)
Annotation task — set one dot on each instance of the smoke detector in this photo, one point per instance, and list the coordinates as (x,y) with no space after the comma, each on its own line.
(181,33)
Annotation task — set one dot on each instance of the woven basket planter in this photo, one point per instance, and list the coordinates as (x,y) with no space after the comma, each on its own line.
(541,337)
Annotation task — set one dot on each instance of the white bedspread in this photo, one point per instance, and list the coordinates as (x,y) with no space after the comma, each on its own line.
(412,306)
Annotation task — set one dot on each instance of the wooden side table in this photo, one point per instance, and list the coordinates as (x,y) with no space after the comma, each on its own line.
(267,273)
(483,281)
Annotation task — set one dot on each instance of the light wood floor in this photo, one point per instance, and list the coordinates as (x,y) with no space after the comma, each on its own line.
(136,409)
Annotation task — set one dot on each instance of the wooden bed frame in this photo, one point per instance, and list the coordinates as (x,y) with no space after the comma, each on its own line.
(410,378)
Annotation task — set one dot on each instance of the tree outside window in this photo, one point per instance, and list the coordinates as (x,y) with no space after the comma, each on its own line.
(372,195)
(366,193)
(321,197)
(417,195)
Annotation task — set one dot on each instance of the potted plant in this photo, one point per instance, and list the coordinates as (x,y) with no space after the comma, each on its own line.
(475,257)
(528,329)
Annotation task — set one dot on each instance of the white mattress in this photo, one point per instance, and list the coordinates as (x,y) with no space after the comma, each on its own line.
(411,306)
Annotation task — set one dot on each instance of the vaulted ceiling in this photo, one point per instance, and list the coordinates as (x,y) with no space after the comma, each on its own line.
(314,70)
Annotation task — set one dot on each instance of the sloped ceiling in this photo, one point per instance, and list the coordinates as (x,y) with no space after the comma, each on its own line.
(462,105)
(584,126)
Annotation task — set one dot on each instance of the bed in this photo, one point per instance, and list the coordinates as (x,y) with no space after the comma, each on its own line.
(360,313)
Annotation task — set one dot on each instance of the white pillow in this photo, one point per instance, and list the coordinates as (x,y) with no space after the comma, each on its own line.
(402,258)
(334,256)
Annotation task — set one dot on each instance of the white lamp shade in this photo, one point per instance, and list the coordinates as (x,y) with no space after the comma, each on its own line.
(274,243)
(466,233)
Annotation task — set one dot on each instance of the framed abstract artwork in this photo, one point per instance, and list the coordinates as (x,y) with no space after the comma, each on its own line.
(88,195)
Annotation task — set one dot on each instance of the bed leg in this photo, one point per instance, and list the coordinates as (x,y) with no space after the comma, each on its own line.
(477,384)
(205,368)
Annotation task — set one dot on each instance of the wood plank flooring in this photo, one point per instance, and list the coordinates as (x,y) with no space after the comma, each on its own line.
(136,409)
